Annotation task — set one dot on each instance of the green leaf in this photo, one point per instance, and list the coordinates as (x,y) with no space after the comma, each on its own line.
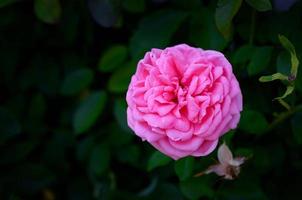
(243,54)
(297,127)
(112,58)
(225,12)
(88,112)
(253,122)
(202,20)
(9,126)
(165,23)
(120,79)
(184,167)
(48,11)
(120,113)
(157,159)
(76,81)
(134,6)
(195,188)
(99,159)
(260,5)
(291,49)
(289,90)
(276,76)
(260,60)
(7,2)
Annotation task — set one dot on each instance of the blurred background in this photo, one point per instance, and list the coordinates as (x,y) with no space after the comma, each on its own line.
(64,70)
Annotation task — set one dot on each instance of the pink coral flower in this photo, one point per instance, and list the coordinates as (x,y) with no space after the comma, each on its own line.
(182,99)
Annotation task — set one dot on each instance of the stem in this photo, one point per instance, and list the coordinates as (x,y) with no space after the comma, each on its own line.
(284,104)
(252,28)
(283,116)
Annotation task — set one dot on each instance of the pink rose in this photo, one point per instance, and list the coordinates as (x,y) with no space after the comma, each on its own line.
(182,99)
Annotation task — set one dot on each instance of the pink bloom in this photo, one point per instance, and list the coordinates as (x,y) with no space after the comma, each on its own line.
(182,99)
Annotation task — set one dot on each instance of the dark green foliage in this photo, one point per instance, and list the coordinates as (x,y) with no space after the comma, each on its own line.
(65,67)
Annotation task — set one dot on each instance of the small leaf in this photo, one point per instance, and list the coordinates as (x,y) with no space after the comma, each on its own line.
(76,81)
(157,159)
(184,167)
(225,12)
(260,60)
(88,111)
(112,58)
(297,127)
(253,122)
(260,5)
(291,49)
(48,11)
(99,159)
(276,76)
(289,90)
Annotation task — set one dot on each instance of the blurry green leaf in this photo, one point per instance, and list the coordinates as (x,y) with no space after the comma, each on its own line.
(76,81)
(296,123)
(157,159)
(150,188)
(167,191)
(37,107)
(134,6)
(103,12)
(227,137)
(184,167)
(17,152)
(253,122)
(276,76)
(225,12)
(32,177)
(9,126)
(291,49)
(119,137)
(84,148)
(120,79)
(7,2)
(99,159)
(289,90)
(88,111)
(165,23)
(48,11)
(195,188)
(260,5)
(130,155)
(112,58)
(211,39)
(260,60)
(243,54)
(120,113)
